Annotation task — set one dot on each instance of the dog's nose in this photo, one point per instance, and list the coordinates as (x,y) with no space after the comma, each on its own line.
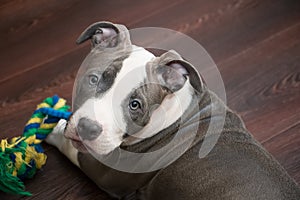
(88,129)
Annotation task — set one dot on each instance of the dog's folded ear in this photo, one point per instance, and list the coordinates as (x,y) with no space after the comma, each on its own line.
(172,72)
(102,34)
(172,75)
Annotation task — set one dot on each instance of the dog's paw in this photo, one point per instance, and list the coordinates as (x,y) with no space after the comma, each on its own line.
(56,137)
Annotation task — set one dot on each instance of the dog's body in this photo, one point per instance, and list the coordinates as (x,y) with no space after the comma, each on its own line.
(236,168)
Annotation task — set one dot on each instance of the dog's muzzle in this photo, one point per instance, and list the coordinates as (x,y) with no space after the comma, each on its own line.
(88,129)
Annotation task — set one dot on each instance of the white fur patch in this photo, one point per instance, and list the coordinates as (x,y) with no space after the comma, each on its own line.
(57,139)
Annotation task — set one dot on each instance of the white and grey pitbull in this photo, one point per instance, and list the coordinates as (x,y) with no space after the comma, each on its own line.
(127,99)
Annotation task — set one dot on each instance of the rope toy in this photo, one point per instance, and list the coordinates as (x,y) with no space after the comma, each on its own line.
(22,156)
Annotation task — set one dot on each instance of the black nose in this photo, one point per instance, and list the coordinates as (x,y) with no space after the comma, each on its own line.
(88,129)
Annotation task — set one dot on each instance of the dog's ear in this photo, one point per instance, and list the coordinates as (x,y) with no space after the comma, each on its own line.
(172,75)
(172,72)
(103,34)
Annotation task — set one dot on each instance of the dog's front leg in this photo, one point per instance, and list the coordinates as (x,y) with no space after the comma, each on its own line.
(57,139)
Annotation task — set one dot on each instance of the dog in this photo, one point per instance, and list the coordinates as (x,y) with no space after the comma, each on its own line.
(125,99)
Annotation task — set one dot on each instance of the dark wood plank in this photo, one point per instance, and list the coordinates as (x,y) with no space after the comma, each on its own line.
(226,28)
(218,28)
(263,83)
(37,35)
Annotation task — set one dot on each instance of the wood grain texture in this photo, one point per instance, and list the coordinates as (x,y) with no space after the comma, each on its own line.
(254,43)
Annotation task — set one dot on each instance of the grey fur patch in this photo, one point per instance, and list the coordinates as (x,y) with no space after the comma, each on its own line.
(110,73)
(105,63)
(106,79)
(150,95)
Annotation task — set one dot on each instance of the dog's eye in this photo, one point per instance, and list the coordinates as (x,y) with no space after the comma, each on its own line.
(93,79)
(135,104)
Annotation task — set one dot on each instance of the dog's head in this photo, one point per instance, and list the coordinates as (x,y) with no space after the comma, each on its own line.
(123,91)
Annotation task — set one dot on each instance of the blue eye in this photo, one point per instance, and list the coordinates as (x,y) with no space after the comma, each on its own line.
(135,104)
(93,79)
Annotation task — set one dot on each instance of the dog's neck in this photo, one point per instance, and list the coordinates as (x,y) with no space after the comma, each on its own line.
(193,122)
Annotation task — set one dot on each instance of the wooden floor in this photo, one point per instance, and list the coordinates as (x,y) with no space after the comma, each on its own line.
(256,45)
